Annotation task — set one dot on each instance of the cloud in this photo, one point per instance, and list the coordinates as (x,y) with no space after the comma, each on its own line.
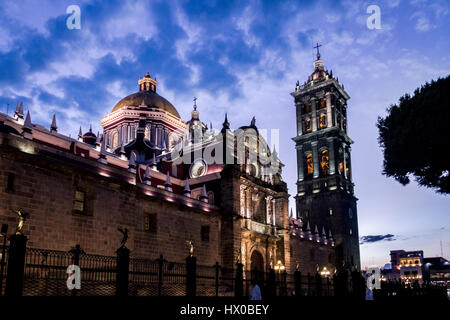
(376,238)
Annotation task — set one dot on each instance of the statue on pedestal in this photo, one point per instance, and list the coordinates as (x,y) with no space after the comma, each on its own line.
(22,218)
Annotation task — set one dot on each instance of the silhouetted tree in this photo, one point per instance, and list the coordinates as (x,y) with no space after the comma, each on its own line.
(415,137)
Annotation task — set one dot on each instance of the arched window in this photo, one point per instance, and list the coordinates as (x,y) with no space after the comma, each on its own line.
(322,103)
(341,161)
(324,162)
(115,140)
(308,107)
(147,133)
(309,164)
(308,124)
(323,120)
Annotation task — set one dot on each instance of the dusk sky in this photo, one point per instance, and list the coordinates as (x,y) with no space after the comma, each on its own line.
(242,58)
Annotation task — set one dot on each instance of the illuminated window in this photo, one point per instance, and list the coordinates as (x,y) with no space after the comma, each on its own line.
(115,140)
(330,211)
(147,133)
(322,103)
(79,204)
(150,222)
(308,107)
(351,231)
(324,162)
(341,167)
(308,124)
(322,120)
(309,164)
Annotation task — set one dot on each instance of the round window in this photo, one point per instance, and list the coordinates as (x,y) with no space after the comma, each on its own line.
(198,168)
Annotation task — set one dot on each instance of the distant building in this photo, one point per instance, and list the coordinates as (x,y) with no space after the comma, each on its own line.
(407,265)
(411,266)
(436,270)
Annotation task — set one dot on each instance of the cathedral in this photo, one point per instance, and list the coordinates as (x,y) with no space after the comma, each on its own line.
(171,182)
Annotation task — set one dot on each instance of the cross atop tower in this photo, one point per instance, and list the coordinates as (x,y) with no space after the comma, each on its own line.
(195,103)
(317,47)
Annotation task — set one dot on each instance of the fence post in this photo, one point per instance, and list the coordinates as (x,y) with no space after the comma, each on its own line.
(122,271)
(3,233)
(160,273)
(217,278)
(239,281)
(271,284)
(318,284)
(76,252)
(328,286)
(284,291)
(16,265)
(309,283)
(335,285)
(298,283)
(191,276)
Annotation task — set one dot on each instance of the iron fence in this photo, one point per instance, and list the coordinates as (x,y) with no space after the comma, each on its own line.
(45,273)
(3,268)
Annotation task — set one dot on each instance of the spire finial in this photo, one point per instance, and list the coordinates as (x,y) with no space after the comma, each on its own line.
(317,47)
(168,183)
(187,188)
(28,123)
(226,124)
(53,127)
(195,103)
(147,178)
(204,196)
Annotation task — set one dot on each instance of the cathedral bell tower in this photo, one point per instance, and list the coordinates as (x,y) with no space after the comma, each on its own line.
(325,194)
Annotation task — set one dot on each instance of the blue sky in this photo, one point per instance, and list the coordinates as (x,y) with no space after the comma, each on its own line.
(242,58)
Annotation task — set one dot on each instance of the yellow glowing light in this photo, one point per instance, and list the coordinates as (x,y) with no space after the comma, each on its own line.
(325,272)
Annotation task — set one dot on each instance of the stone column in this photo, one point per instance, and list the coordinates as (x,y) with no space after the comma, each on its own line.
(315,156)
(344,149)
(300,164)
(313,114)
(273,212)
(268,211)
(120,136)
(350,166)
(152,133)
(242,201)
(299,118)
(248,200)
(332,157)
(329,113)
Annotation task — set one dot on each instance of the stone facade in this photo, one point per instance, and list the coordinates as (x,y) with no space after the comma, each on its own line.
(80,191)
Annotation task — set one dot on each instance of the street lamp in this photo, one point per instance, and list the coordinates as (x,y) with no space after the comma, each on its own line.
(325,272)
(279,266)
